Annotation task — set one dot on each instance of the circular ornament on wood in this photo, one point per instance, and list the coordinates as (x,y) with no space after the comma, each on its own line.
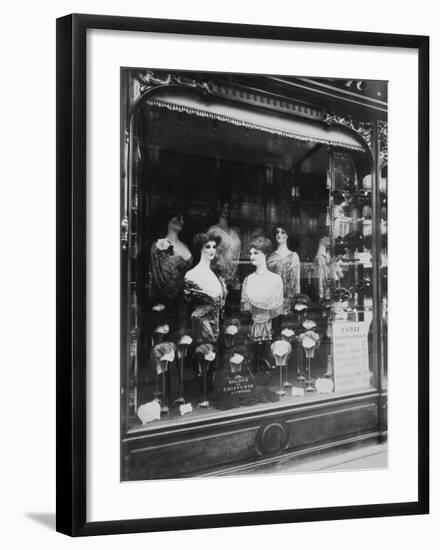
(272,438)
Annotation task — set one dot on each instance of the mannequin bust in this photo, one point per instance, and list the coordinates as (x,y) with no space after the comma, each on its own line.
(262,292)
(286,263)
(322,260)
(229,248)
(205,290)
(170,260)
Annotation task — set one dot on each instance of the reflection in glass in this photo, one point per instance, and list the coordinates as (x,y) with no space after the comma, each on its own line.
(240,244)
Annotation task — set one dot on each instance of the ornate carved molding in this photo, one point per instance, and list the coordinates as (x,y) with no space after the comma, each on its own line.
(268,101)
(149,80)
(365,131)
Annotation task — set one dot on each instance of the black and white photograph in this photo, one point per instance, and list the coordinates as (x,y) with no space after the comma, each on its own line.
(219,296)
(253,274)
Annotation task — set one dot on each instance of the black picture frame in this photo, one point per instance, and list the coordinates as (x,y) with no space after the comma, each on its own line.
(71,294)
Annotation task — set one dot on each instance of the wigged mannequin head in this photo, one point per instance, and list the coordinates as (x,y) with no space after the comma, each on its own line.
(281,235)
(259,249)
(205,246)
(224,208)
(176,223)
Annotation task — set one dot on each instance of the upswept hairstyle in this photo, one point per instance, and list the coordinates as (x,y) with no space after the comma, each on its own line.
(199,241)
(262,244)
(162,217)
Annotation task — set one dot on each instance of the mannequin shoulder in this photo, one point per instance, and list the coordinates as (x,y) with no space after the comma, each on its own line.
(273,276)
(161,245)
(183,251)
(215,230)
(191,275)
(276,279)
(245,282)
(235,233)
(198,275)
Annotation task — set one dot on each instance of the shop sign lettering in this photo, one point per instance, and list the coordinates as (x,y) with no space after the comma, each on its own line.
(237,385)
(350,355)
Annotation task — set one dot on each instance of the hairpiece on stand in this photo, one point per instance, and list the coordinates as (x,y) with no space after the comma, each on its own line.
(300,302)
(205,355)
(163,354)
(281,350)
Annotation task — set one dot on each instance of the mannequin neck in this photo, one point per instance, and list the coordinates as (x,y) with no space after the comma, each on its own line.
(172,236)
(261,269)
(283,248)
(223,223)
(204,263)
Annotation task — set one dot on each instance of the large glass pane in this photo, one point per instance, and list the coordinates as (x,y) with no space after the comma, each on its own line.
(350,279)
(250,267)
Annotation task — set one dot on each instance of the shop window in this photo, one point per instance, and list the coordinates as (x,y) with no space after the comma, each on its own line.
(251,268)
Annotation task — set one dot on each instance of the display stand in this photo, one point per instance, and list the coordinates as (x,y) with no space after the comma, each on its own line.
(164,407)
(203,371)
(182,351)
(310,381)
(281,350)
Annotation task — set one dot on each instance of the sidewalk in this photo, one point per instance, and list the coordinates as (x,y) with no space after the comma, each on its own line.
(363,458)
(366,457)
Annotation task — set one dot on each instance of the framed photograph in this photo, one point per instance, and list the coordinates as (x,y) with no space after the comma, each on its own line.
(242,274)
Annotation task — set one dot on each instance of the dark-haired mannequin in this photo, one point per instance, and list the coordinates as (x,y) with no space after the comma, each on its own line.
(286,263)
(175,226)
(170,260)
(206,292)
(228,252)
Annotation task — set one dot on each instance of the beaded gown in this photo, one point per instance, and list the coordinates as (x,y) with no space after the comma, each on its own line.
(207,293)
(288,267)
(167,271)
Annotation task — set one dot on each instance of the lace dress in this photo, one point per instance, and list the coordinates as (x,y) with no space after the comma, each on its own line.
(228,252)
(208,305)
(322,261)
(262,296)
(167,271)
(288,267)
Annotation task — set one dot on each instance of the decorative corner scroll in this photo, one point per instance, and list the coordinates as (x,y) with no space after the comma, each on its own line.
(149,80)
(364,129)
